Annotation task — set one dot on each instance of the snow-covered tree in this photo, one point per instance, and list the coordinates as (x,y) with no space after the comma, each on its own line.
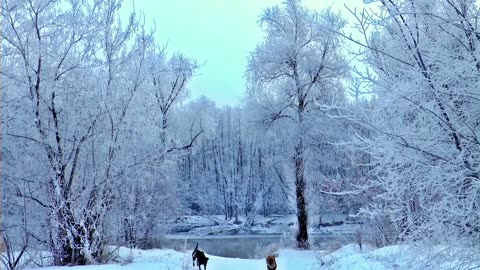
(425,120)
(72,73)
(297,65)
(149,181)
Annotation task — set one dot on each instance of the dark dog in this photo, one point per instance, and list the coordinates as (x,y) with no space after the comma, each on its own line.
(271,263)
(199,256)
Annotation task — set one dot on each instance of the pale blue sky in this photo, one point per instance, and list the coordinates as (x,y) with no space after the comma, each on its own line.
(221,32)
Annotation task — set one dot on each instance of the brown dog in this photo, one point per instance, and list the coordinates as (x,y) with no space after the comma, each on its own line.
(271,263)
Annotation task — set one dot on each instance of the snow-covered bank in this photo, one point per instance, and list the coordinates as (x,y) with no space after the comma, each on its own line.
(348,257)
(200,226)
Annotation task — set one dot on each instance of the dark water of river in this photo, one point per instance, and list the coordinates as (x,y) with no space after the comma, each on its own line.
(245,246)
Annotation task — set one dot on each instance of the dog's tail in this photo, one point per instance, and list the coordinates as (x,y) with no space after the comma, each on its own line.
(195,250)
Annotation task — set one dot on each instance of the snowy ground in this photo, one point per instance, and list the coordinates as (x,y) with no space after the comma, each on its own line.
(346,258)
(326,257)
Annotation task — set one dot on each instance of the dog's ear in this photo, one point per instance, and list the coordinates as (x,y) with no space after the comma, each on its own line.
(275,254)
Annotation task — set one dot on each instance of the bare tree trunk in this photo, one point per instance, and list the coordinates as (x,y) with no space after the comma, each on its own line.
(300,185)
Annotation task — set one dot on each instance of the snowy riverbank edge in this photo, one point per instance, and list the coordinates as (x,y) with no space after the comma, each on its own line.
(349,257)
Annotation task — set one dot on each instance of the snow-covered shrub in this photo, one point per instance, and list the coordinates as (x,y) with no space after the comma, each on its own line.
(11,256)
(262,252)
(378,231)
(288,239)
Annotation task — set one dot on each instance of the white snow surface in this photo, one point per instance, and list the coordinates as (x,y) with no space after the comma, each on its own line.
(348,257)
